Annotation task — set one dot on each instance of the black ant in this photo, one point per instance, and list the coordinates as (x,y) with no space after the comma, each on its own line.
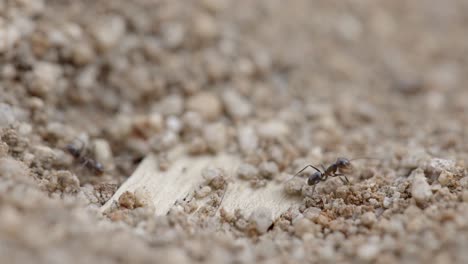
(334,170)
(79,154)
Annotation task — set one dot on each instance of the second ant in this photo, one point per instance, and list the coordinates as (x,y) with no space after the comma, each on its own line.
(335,169)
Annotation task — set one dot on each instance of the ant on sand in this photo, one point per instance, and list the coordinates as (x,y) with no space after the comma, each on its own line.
(335,169)
(79,154)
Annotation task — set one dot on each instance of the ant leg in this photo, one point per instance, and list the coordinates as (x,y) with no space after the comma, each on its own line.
(346,178)
(312,166)
(222,198)
(342,180)
(323,167)
(84,163)
(345,181)
(313,189)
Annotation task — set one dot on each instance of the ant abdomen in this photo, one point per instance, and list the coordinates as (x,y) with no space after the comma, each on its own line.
(314,178)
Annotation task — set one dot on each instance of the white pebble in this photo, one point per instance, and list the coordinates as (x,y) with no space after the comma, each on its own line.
(192,121)
(312,213)
(210,173)
(3,149)
(247,171)
(174,124)
(170,105)
(10,168)
(421,190)
(173,34)
(205,27)
(57,130)
(268,169)
(44,153)
(368,251)
(202,192)
(387,202)
(435,165)
(45,78)
(102,151)
(368,219)
(273,129)
(108,31)
(236,105)
(164,141)
(248,140)
(7,116)
(262,219)
(215,135)
(445,178)
(293,187)
(206,104)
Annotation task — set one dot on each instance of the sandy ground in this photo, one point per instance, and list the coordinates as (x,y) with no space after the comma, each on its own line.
(279,84)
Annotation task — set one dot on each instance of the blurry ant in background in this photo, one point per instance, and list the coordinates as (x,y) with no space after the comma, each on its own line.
(336,169)
(79,154)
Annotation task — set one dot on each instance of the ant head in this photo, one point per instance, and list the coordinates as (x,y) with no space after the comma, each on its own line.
(99,167)
(72,149)
(314,178)
(343,162)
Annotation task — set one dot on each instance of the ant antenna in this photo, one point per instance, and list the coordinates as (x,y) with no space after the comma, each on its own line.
(368,158)
(303,169)
(222,198)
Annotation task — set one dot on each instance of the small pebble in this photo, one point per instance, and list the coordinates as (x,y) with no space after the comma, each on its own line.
(10,168)
(368,251)
(236,106)
(293,187)
(421,190)
(248,140)
(173,34)
(210,173)
(206,104)
(465,196)
(127,200)
(103,152)
(435,166)
(3,149)
(44,154)
(446,178)
(247,171)
(387,202)
(262,219)
(67,182)
(218,182)
(170,105)
(57,130)
(215,135)
(205,27)
(368,219)
(7,116)
(273,129)
(45,78)
(174,124)
(268,169)
(164,141)
(108,31)
(192,121)
(304,226)
(202,192)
